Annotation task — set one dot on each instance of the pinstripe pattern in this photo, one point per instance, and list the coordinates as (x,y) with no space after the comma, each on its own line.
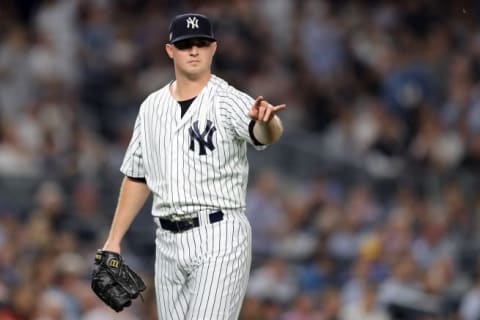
(201,273)
(182,180)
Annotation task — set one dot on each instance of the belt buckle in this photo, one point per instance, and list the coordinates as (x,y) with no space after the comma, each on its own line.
(178,225)
(187,224)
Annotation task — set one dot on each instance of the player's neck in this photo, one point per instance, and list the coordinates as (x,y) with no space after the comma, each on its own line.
(184,88)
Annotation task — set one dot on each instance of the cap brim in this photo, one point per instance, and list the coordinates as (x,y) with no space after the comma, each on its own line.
(192,36)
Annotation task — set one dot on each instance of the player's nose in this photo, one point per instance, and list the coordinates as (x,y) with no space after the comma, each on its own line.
(194,50)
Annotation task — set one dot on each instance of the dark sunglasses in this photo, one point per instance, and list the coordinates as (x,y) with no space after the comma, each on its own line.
(190,43)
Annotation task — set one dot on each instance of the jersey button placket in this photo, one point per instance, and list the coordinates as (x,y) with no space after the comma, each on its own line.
(173,179)
(169,174)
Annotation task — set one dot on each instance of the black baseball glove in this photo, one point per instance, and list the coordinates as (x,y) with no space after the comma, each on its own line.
(114,282)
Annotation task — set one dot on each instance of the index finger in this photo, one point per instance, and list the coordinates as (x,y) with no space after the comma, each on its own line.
(279,107)
(258,101)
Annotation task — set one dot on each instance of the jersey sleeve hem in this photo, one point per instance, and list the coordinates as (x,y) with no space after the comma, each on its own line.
(134,174)
(137,179)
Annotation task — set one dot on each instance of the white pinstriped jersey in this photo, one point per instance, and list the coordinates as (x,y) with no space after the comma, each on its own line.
(197,162)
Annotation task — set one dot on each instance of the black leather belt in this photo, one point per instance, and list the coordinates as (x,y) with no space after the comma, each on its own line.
(189,223)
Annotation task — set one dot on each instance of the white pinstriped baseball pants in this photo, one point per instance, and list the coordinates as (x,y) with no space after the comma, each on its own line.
(203,273)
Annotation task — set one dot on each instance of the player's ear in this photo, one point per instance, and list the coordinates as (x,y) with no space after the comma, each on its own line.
(214,46)
(169,50)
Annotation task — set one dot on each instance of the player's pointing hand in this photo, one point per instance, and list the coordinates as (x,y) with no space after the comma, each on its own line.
(263,111)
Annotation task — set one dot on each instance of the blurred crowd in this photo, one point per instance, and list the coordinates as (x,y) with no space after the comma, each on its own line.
(383,97)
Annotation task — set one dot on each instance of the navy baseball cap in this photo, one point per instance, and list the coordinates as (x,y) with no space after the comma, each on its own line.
(190,25)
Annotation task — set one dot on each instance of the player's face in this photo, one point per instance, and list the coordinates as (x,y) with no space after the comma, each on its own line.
(192,56)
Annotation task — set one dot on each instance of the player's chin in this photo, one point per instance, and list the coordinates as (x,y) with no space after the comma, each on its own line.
(195,70)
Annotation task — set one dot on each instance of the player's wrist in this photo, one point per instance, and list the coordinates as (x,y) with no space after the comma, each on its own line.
(112,247)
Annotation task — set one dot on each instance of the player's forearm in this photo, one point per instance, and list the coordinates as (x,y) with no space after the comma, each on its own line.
(133,195)
(268,132)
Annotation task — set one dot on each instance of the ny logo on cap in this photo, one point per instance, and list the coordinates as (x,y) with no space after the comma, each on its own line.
(192,23)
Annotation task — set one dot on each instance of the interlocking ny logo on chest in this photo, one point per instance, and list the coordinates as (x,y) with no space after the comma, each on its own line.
(203,139)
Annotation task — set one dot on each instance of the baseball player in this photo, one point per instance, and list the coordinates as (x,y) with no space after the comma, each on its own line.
(189,149)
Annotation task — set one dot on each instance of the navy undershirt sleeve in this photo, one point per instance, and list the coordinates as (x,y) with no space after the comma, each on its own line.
(250,130)
(142,180)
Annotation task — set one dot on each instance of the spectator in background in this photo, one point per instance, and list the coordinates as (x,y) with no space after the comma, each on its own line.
(367,308)
(470,303)
(355,286)
(59,298)
(433,242)
(344,241)
(274,281)
(330,304)
(402,293)
(268,227)
(303,308)
(16,85)
(316,276)
(299,241)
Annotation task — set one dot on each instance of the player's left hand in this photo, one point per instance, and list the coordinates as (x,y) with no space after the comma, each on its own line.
(114,282)
(263,111)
